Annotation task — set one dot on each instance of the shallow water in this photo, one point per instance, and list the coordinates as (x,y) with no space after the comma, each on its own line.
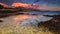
(26,19)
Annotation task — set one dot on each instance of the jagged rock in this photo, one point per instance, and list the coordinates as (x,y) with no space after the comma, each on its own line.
(53,24)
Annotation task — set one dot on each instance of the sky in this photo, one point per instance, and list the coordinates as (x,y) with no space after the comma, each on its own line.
(48,4)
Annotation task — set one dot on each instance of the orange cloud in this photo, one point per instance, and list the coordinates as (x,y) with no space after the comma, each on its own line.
(17,4)
(4,5)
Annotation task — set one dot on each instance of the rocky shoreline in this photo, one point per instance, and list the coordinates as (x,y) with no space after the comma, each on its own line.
(53,24)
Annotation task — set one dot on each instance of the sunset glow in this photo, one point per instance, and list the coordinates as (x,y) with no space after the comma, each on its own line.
(17,4)
(29,16)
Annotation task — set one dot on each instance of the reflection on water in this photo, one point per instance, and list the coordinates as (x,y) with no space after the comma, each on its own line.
(34,20)
(26,19)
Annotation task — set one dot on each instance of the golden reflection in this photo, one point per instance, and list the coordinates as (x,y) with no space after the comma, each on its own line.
(22,17)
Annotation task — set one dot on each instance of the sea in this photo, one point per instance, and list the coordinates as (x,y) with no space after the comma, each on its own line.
(32,18)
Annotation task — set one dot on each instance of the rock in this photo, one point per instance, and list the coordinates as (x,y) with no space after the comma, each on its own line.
(53,24)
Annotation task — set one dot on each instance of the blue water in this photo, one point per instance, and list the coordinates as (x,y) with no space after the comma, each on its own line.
(45,12)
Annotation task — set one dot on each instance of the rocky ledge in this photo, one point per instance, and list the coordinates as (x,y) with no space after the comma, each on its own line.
(53,24)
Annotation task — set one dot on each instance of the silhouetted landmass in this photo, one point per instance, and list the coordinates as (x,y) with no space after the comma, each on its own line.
(1,20)
(1,7)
